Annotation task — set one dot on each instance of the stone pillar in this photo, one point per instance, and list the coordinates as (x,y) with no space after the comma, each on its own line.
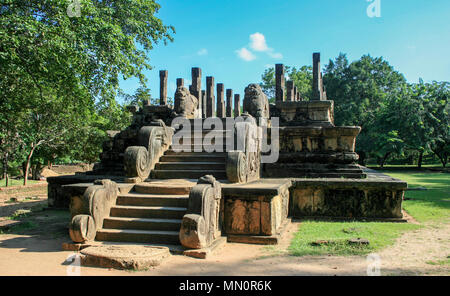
(210,96)
(295,93)
(180,82)
(229,102)
(203,102)
(163,74)
(317,89)
(196,82)
(279,82)
(290,94)
(299,98)
(220,109)
(237,105)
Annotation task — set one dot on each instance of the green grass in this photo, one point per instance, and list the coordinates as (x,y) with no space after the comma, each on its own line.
(428,205)
(440,262)
(379,235)
(431,206)
(14,182)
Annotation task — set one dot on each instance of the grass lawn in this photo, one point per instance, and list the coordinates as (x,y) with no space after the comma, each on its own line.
(432,206)
(427,205)
(14,182)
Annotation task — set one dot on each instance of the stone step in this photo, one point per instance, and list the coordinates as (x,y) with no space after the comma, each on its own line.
(203,132)
(190,166)
(206,157)
(190,174)
(140,199)
(138,236)
(174,188)
(147,212)
(197,154)
(201,148)
(142,224)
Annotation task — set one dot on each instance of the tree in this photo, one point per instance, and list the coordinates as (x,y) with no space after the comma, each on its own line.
(361,91)
(50,61)
(302,78)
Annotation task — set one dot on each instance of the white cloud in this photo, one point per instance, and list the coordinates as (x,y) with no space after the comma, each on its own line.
(202,52)
(245,54)
(258,42)
(275,55)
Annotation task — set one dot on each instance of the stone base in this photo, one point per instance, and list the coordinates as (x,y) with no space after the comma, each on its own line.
(376,197)
(260,240)
(206,252)
(124,257)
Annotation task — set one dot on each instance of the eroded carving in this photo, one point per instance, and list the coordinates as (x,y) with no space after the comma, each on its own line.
(186,104)
(256,102)
(154,140)
(201,224)
(89,211)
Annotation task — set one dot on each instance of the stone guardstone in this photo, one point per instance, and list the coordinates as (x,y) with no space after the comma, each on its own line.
(124,256)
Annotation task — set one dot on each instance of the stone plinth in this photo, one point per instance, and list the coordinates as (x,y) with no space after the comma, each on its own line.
(377,196)
(258,208)
(306,113)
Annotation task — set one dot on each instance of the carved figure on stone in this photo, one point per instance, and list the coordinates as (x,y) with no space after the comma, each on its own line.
(89,210)
(244,163)
(186,105)
(256,102)
(200,226)
(154,140)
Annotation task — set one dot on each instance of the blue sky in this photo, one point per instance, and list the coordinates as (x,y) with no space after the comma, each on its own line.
(235,40)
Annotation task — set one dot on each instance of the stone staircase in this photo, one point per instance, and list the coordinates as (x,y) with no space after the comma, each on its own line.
(151,213)
(195,160)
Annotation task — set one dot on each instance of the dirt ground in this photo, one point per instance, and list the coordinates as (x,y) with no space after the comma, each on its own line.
(37,251)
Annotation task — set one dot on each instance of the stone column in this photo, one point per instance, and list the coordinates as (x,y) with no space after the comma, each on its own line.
(237,105)
(290,94)
(220,109)
(229,102)
(196,82)
(295,93)
(180,82)
(279,82)
(317,89)
(163,74)
(299,98)
(203,102)
(210,96)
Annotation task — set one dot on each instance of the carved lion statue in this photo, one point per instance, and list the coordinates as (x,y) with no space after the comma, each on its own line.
(256,102)
(186,105)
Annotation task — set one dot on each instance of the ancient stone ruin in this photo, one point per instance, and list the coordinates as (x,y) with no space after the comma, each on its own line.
(194,175)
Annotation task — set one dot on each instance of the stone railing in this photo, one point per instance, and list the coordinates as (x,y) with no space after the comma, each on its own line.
(89,210)
(153,141)
(244,163)
(202,223)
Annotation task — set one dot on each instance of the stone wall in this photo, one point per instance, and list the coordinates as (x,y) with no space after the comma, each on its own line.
(375,197)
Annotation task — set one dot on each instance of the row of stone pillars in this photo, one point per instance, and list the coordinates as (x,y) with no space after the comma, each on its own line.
(287,91)
(210,107)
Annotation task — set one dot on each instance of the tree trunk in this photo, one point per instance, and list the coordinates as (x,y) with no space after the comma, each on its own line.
(27,166)
(5,167)
(419,163)
(383,160)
